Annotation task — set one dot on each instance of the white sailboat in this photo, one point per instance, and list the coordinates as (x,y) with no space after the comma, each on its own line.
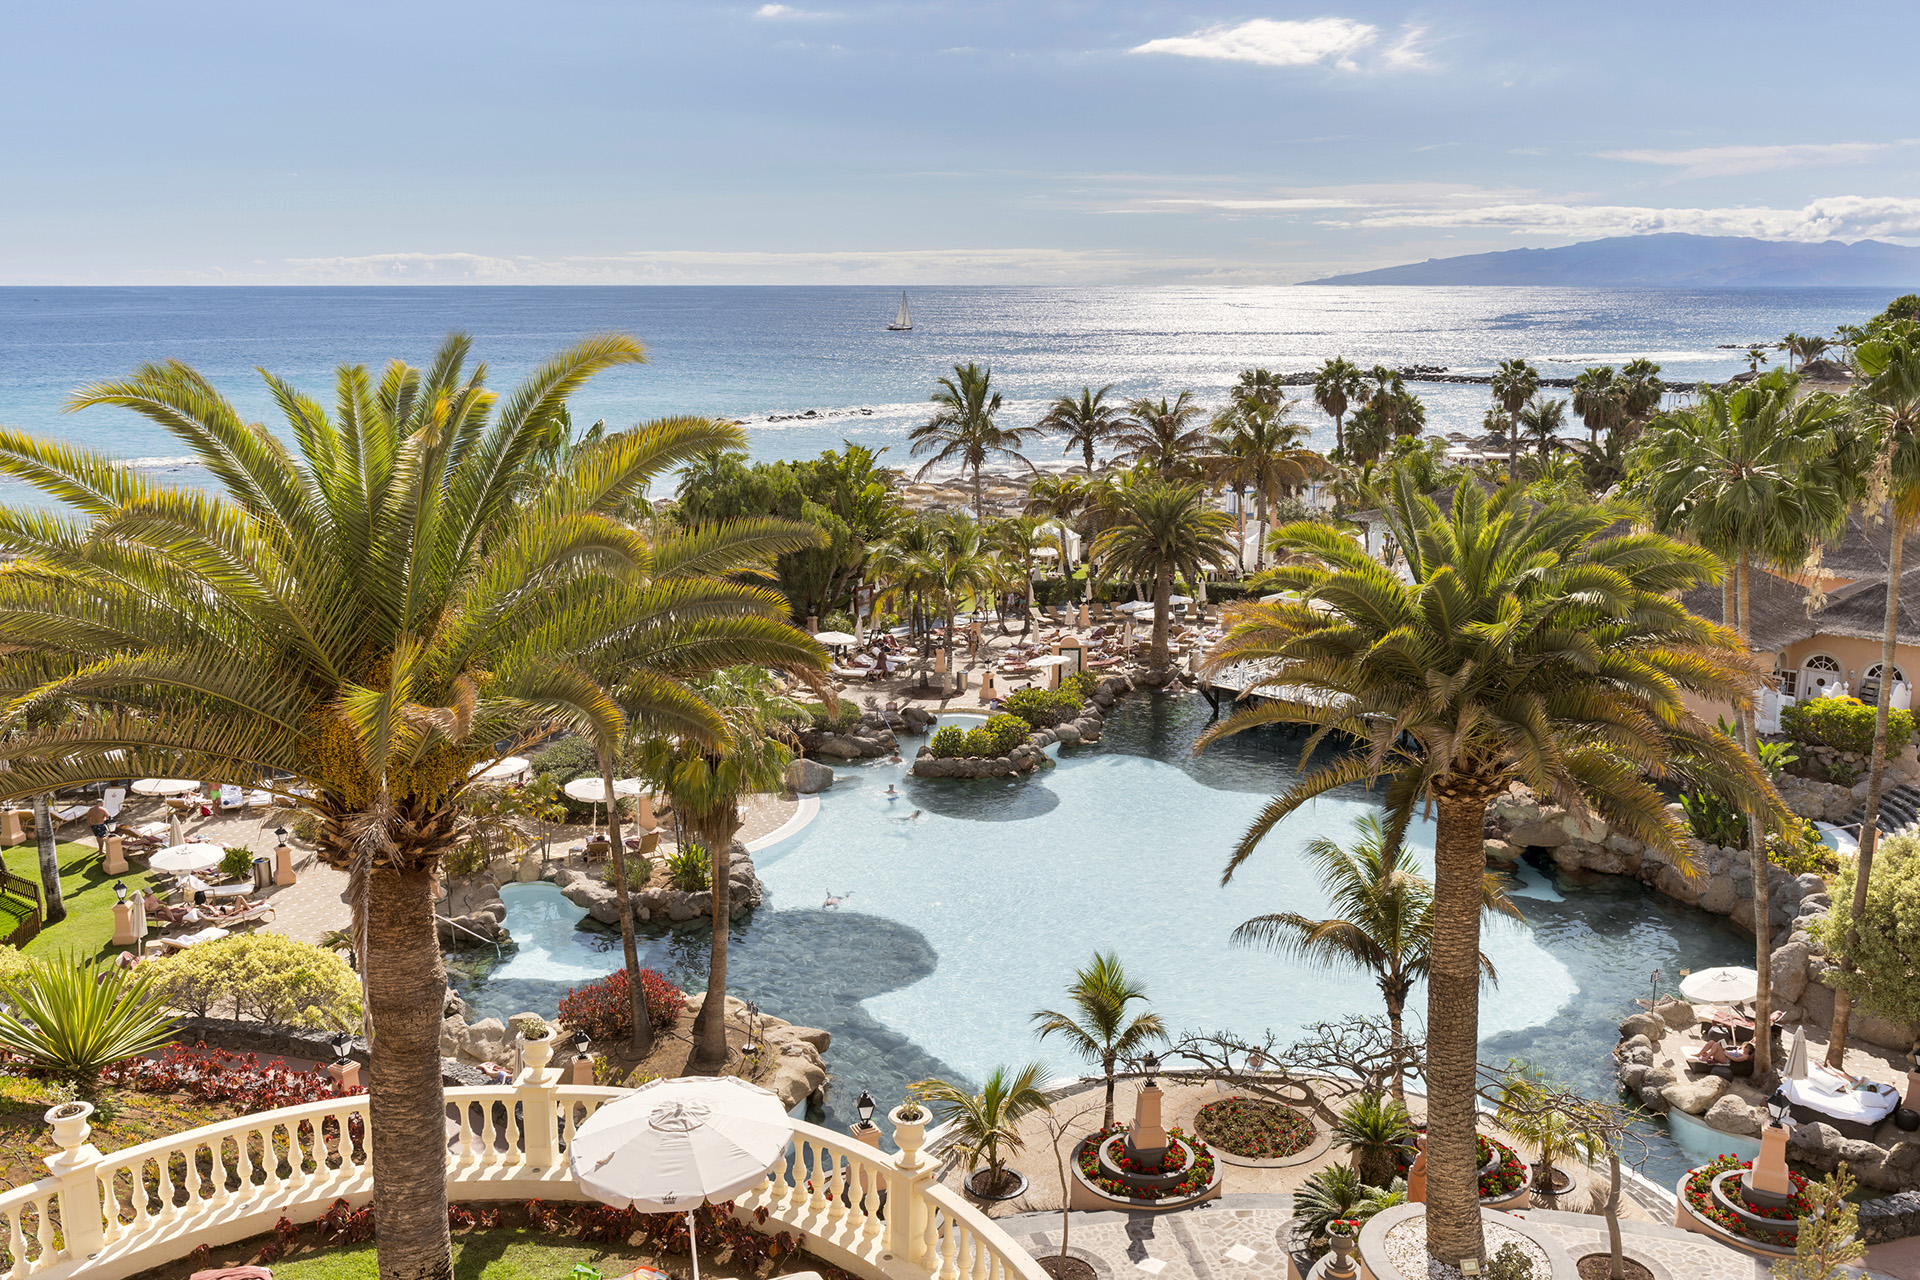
(903,321)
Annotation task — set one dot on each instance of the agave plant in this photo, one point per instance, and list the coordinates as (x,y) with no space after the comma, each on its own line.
(76,1019)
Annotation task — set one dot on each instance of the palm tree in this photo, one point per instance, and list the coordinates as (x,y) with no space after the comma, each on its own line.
(1101,1032)
(1376,1130)
(1061,499)
(964,568)
(1514,383)
(1087,421)
(47,849)
(1523,1111)
(1385,921)
(1756,356)
(707,779)
(1542,419)
(1160,434)
(963,429)
(1890,398)
(1599,400)
(1750,474)
(1021,539)
(1262,450)
(986,1125)
(1523,645)
(1640,379)
(1337,383)
(1163,531)
(362,609)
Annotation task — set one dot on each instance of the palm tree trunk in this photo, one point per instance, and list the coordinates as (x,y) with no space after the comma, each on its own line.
(1339,432)
(1876,780)
(642,1044)
(1260,518)
(979,498)
(1513,444)
(1106,1117)
(56,907)
(709,1056)
(1397,1041)
(407,1126)
(1162,616)
(1453,1030)
(1757,862)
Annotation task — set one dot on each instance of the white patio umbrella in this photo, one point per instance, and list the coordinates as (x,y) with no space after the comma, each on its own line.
(594,790)
(1173,600)
(184,858)
(505,770)
(1137,606)
(674,1145)
(1797,1056)
(1051,660)
(164,786)
(836,638)
(1727,984)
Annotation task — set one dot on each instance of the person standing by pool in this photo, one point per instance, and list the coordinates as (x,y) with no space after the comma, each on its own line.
(892,793)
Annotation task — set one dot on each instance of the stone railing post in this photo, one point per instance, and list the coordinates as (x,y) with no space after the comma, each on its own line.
(907,1209)
(75,1171)
(537,1092)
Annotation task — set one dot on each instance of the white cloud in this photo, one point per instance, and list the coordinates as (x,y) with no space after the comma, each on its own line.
(786,12)
(1724,162)
(1269,42)
(1832,218)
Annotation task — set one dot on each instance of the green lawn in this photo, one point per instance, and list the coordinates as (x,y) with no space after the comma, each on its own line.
(88,891)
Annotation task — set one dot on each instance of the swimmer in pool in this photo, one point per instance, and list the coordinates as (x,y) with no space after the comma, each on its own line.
(892,794)
(834,899)
(910,817)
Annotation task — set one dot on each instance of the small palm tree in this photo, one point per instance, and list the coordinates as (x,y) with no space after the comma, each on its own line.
(963,429)
(986,1125)
(1385,921)
(1061,499)
(75,1019)
(1756,356)
(1599,399)
(1099,1029)
(1542,420)
(1514,383)
(1334,1192)
(1337,384)
(1523,1111)
(1161,435)
(1086,421)
(1375,1129)
(1161,531)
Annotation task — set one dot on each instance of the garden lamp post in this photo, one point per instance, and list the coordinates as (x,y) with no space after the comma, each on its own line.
(283,859)
(582,1060)
(344,1070)
(1767,1182)
(122,916)
(864,1128)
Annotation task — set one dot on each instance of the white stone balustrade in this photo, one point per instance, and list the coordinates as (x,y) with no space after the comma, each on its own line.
(151,1204)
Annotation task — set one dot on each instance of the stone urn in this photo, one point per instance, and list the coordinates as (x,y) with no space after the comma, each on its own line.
(537,1051)
(1344,1239)
(909,1135)
(69,1121)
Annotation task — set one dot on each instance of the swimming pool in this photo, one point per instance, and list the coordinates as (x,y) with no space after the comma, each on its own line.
(957,925)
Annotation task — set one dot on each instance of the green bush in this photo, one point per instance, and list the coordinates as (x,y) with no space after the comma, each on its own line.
(1044,708)
(236,861)
(949,740)
(566,760)
(1842,773)
(1082,683)
(1714,820)
(1845,724)
(690,868)
(268,977)
(979,744)
(1007,732)
(1799,849)
(1053,590)
(1886,953)
(844,722)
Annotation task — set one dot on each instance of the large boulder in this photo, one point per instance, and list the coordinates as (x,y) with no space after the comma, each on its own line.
(808,777)
(1694,1096)
(1676,1013)
(485,1041)
(1652,1026)
(1730,1114)
(1788,970)
(916,718)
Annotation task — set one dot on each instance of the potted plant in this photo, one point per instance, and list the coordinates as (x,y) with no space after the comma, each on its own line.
(536,1041)
(1342,1234)
(69,1121)
(909,1121)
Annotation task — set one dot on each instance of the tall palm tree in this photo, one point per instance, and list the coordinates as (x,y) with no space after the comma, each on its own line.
(1086,421)
(1514,383)
(1063,500)
(1161,435)
(1890,400)
(1021,539)
(1643,390)
(1258,386)
(1752,475)
(963,429)
(1337,383)
(1599,399)
(1261,448)
(707,779)
(1163,531)
(362,609)
(986,1125)
(1098,1028)
(1523,645)
(965,568)
(1384,922)
(1542,419)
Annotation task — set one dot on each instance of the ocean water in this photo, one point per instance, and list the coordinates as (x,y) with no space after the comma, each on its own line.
(764,355)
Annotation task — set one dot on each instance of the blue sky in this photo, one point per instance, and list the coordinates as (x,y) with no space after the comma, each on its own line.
(835,141)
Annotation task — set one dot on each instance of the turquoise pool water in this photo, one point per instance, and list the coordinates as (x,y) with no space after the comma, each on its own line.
(958,924)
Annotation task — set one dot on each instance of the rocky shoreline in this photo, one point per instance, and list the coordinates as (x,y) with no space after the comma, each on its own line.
(1026,757)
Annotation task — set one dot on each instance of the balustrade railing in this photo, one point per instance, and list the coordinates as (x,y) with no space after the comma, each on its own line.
(880,1215)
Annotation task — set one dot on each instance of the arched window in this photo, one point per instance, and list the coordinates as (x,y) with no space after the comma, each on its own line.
(1820,676)
(1870,685)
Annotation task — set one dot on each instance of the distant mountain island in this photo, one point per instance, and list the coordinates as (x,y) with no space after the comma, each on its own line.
(1671,260)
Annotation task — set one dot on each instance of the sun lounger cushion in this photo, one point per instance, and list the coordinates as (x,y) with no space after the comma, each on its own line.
(1865,1104)
(112,799)
(211,933)
(71,813)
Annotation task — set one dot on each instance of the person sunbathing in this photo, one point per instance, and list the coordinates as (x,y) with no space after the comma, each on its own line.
(497,1073)
(1714,1053)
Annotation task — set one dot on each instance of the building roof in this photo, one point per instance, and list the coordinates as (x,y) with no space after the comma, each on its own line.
(1861,549)
(1782,612)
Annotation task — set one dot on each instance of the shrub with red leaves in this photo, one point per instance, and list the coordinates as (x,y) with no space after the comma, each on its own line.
(604,1009)
(344,1224)
(220,1075)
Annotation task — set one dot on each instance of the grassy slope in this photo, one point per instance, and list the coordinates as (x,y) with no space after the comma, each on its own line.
(88,891)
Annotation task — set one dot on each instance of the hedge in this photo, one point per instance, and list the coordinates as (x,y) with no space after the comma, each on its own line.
(949,741)
(1845,724)
(1044,708)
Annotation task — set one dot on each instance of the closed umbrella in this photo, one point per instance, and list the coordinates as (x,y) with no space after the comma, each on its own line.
(1797,1056)
(674,1145)
(176,830)
(1727,984)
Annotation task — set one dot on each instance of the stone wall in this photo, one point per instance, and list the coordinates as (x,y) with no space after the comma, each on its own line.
(591,890)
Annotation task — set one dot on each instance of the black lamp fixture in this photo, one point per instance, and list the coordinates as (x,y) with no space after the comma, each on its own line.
(341,1043)
(865,1107)
(1152,1064)
(580,1042)
(280,833)
(1915,1056)
(1778,1107)
(119,890)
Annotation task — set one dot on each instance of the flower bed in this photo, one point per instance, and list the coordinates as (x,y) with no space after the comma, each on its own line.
(220,1075)
(1254,1129)
(1193,1157)
(1509,1171)
(1698,1190)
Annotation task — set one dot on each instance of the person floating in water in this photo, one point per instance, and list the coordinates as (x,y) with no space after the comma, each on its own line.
(892,793)
(835,899)
(910,817)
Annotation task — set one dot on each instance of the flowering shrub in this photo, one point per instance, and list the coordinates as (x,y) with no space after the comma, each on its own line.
(604,1008)
(979,743)
(1196,1158)
(1007,732)
(219,1075)
(1508,1171)
(666,1232)
(1344,1227)
(1845,724)
(1255,1129)
(1699,1196)
(344,1224)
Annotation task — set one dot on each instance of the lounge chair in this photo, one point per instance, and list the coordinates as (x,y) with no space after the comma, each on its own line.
(260,798)
(112,800)
(232,797)
(212,933)
(72,813)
